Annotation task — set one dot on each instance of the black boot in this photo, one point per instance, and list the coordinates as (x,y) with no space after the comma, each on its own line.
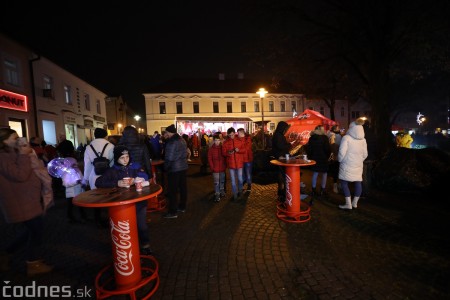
(313,195)
(281,197)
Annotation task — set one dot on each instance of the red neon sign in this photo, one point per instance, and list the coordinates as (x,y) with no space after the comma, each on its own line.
(10,100)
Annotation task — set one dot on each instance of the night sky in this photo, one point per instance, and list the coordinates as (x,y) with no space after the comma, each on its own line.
(125,50)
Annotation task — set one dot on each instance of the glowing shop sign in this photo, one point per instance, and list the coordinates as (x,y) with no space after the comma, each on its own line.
(10,100)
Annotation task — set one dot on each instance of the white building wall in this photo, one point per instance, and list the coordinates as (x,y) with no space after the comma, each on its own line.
(157,121)
(53,106)
(17,53)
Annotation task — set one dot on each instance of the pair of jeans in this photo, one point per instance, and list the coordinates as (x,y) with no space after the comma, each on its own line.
(247,172)
(323,183)
(346,190)
(219,182)
(235,188)
(176,182)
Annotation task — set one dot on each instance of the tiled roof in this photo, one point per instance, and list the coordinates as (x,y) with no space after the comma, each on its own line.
(222,86)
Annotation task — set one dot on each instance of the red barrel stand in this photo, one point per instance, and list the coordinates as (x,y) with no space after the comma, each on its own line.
(157,203)
(293,210)
(128,276)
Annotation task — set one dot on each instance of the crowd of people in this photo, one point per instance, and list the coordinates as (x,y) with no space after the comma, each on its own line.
(230,156)
(341,155)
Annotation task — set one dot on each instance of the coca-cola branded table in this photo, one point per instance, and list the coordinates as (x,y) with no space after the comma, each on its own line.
(293,210)
(157,203)
(129,276)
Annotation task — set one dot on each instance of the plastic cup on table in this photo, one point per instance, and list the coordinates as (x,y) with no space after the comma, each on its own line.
(128,180)
(138,183)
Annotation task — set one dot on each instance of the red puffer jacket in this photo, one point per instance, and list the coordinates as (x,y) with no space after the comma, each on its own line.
(217,162)
(235,159)
(248,156)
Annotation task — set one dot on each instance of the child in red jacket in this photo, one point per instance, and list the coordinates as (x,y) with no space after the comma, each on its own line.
(218,165)
(248,158)
(234,149)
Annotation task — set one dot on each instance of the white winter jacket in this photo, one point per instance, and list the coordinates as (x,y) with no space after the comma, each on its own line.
(352,153)
(89,156)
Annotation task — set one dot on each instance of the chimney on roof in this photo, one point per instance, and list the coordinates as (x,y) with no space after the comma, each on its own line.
(221,76)
(240,76)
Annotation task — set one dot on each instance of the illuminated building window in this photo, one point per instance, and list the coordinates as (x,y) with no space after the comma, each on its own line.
(196,107)
(294,106)
(99,107)
(162,107)
(256,106)
(68,94)
(12,72)
(87,102)
(216,107)
(243,106)
(179,107)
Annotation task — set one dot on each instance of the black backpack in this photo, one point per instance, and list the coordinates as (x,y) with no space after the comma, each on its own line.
(101,164)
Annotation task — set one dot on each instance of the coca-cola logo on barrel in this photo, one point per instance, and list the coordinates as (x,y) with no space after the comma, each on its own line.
(120,234)
(288,191)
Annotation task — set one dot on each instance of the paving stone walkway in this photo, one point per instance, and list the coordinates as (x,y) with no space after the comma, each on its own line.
(391,247)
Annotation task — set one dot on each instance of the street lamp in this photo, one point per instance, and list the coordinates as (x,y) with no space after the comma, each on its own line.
(262,92)
(137,118)
(119,126)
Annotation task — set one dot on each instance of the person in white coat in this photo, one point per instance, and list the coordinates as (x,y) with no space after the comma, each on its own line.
(351,156)
(89,175)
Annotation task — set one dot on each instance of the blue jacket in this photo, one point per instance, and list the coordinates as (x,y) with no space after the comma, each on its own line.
(117,172)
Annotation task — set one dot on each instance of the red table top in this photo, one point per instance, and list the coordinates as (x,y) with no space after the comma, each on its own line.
(157,162)
(292,162)
(107,197)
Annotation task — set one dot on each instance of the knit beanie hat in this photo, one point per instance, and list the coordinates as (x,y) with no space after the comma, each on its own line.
(119,151)
(171,129)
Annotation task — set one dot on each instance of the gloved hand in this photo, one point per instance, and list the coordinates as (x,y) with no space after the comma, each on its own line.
(84,184)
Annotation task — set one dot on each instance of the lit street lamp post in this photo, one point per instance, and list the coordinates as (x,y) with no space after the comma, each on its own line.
(137,118)
(262,92)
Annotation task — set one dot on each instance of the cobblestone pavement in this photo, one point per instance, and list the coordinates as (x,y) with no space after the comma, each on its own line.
(389,248)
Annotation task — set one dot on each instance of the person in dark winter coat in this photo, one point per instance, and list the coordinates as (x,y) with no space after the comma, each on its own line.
(319,150)
(176,165)
(156,143)
(137,148)
(218,165)
(65,147)
(124,166)
(334,136)
(281,147)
